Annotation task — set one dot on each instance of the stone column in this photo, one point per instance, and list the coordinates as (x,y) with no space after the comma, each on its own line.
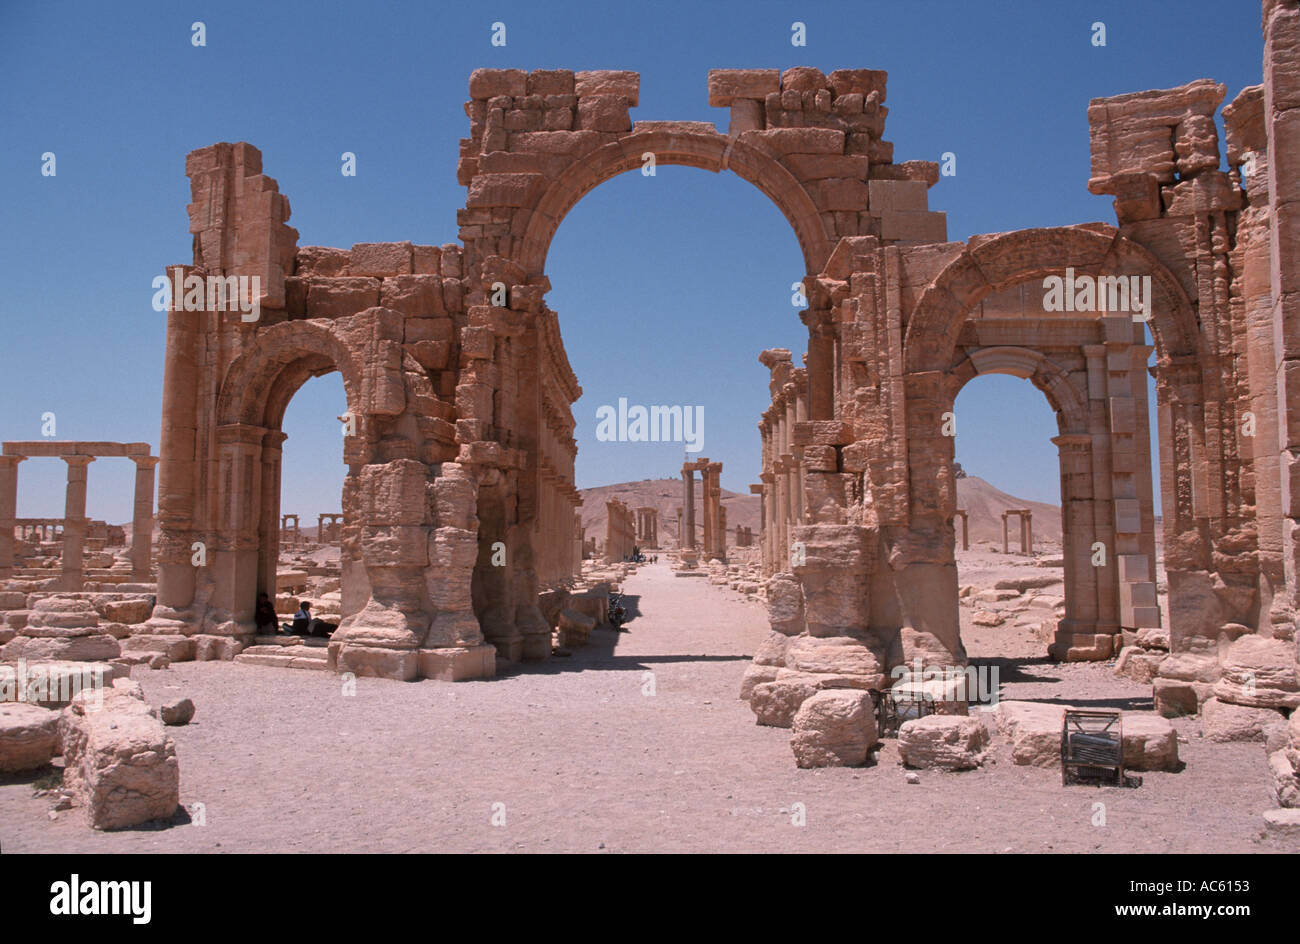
(687,538)
(1027,532)
(965,530)
(8,511)
(142,518)
(1006,546)
(74,522)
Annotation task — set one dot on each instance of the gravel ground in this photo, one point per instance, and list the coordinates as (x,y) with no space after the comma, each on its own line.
(637,743)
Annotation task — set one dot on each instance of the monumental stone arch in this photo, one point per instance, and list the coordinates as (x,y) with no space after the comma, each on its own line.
(984,313)
(459,502)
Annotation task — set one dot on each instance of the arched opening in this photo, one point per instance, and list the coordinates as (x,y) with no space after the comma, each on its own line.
(1011,534)
(303,553)
(667,289)
(251,437)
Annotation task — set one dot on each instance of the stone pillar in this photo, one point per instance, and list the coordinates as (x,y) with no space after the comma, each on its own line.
(8,511)
(269,522)
(1027,532)
(142,518)
(965,529)
(1006,547)
(687,538)
(74,522)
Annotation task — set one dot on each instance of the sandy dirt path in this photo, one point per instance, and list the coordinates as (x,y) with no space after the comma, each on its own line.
(584,759)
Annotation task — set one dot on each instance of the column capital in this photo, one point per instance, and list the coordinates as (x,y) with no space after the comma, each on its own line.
(145,462)
(82,461)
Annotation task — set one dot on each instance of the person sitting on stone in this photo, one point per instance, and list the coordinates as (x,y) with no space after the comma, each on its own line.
(265,616)
(304,624)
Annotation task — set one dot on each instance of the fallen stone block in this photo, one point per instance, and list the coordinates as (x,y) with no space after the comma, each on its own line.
(835,728)
(177,712)
(1034,729)
(1259,672)
(1285,779)
(947,742)
(1222,721)
(1138,664)
(119,763)
(55,684)
(575,628)
(756,675)
(126,611)
(1150,742)
(28,736)
(1282,823)
(775,703)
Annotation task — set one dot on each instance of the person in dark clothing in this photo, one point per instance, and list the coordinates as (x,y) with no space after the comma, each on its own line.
(265,616)
(304,624)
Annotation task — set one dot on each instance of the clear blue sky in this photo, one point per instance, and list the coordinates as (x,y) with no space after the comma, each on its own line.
(667,287)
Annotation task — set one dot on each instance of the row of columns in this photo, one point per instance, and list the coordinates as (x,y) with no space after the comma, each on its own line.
(782,478)
(647,526)
(620,531)
(714,538)
(74,517)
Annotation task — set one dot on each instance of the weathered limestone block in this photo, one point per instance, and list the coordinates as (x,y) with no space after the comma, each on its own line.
(834,728)
(380,260)
(856,659)
(785,611)
(178,712)
(99,647)
(28,736)
(55,684)
(775,703)
(321,261)
(1285,780)
(1138,664)
(1284,766)
(1034,729)
(1175,698)
(593,603)
(175,648)
(1259,672)
(727,85)
(1140,131)
(754,676)
(1222,721)
(575,628)
(119,763)
(417,296)
(1150,742)
(340,297)
(948,742)
(126,611)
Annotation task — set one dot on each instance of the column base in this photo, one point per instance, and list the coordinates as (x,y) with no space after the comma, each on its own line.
(458,664)
(1084,642)
(374,662)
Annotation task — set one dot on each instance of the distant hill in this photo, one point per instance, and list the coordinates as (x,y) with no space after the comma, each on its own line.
(984,505)
(666,496)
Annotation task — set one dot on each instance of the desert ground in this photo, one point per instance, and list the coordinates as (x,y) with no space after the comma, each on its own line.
(635,743)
